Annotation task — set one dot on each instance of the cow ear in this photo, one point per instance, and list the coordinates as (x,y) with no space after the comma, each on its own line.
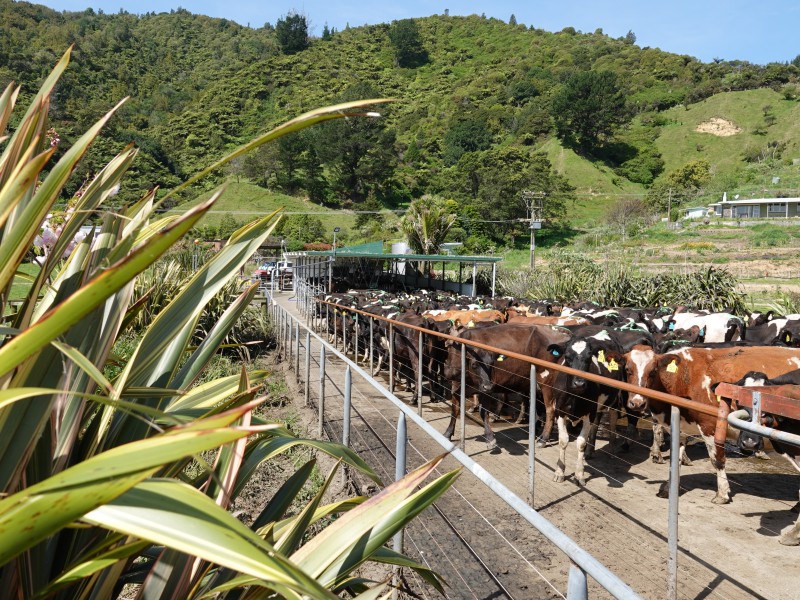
(669,361)
(555,349)
(457,323)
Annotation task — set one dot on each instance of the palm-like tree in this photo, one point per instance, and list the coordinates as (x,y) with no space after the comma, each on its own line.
(427,223)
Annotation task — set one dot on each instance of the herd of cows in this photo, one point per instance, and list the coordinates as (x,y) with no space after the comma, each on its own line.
(681,352)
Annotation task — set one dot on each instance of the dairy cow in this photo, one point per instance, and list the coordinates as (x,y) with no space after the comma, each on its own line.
(693,373)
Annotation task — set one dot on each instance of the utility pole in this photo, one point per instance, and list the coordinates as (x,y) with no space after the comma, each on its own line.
(533,203)
(669,208)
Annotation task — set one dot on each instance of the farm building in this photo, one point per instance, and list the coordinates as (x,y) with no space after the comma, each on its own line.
(368,266)
(757,208)
(695,212)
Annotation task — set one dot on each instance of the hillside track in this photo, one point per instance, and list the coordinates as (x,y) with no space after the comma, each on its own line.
(728,551)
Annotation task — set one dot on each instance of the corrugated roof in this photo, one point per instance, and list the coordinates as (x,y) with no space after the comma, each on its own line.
(374,250)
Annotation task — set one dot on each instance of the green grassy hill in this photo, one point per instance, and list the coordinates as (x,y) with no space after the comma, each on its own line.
(680,141)
(200,87)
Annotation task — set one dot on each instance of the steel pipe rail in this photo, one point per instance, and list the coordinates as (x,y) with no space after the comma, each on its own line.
(621,385)
(740,419)
(577,555)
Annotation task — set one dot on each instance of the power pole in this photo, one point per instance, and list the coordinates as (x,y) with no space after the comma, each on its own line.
(533,203)
(669,208)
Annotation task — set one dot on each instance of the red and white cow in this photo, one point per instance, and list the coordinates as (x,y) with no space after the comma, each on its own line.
(693,373)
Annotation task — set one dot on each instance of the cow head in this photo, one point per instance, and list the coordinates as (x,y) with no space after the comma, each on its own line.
(640,369)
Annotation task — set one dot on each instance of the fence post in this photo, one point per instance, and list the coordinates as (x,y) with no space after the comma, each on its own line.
(308,367)
(463,398)
(321,404)
(297,355)
(335,326)
(391,357)
(419,374)
(371,338)
(577,588)
(674,487)
(348,389)
(355,339)
(345,317)
(531,434)
(400,469)
(289,339)
(399,473)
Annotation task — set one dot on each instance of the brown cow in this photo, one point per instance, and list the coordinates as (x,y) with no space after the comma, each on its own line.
(693,373)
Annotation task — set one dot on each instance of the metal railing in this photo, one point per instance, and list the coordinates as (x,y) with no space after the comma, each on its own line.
(582,563)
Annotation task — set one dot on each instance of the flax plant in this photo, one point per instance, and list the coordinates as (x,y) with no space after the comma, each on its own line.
(94,485)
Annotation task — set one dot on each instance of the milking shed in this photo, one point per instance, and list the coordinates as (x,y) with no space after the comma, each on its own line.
(367,266)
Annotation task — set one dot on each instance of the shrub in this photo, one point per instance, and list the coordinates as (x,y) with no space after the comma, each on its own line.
(103,461)
(770,236)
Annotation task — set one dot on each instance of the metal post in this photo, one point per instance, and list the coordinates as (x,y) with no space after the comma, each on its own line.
(674,486)
(335,325)
(756,408)
(321,388)
(371,338)
(308,367)
(463,408)
(400,469)
(297,355)
(289,340)
(419,374)
(577,588)
(474,279)
(494,277)
(531,434)
(355,338)
(391,357)
(348,388)
(345,317)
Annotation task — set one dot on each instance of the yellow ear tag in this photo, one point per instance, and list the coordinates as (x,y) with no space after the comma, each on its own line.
(470,324)
(719,399)
(500,358)
(601,356)
(613,366)
(672,367)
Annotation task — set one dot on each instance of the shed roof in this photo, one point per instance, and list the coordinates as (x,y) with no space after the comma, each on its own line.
(374,250)
(757,201)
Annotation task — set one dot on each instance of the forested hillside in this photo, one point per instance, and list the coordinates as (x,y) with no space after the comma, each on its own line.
(483,109)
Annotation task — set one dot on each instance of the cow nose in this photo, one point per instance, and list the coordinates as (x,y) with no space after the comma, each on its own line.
(635,401)
(579,383)
(749,442)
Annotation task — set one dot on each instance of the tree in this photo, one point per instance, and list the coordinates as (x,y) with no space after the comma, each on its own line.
(302,228)
(427,222)
(359,152)
(589,107)
(469,134)
(326,33)
(626,213)
(407,42)
(512,20)
(497,177)
(630,38)
(680,186)
(292,33)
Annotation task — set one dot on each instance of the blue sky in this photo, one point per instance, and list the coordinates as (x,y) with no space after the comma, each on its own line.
(759,32)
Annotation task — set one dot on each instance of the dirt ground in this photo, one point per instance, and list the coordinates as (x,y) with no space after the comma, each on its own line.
(719,127)
(728,551)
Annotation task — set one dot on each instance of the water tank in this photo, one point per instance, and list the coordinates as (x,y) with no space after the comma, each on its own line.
(401,248)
